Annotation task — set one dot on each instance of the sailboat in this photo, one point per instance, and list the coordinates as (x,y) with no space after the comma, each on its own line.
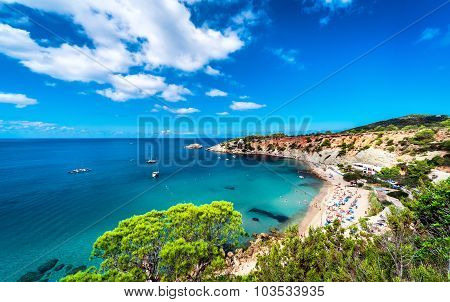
(155,174)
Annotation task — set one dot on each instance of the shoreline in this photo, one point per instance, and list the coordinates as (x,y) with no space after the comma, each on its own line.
(334,188)
(313,216)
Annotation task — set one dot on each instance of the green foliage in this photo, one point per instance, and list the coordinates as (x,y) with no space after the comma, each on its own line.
(184,243)
(325,255)
(416,173)
(424,136)
(375,205)
(391,128)
(352,176)
(409,127)
(277,135)
(446,123)
(445,145)
(432,208)
(390,173)
(326,143)
(331,253)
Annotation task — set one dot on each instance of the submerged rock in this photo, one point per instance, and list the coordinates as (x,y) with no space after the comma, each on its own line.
(31,277)
(277,217)
(59,267)
(47,265)
(77,269)
(255,219)
(69,268)
(230,188)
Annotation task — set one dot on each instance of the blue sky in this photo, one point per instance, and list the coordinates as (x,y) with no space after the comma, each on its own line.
(91,69)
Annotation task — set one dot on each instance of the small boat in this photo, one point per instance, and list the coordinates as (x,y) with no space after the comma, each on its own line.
(234,156)
(79,170)
(151,161)
(155,174)
(301,177)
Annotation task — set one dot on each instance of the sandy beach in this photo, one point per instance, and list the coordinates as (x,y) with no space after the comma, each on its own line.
(336,200)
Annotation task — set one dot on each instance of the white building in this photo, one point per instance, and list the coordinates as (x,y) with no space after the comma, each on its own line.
(366,168)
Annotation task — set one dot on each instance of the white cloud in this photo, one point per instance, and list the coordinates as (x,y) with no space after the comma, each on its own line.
(248,16)
(20,100)
(216,93)
(241,106)
(133,87)
(429,34)
(329,4)
(244,97)
(161,30)
(223,113)
(140,86)
(287,55)
(180,111)
(174,93)
(50,84)
(211,71)
(330,7)
(70,63)
(31,126)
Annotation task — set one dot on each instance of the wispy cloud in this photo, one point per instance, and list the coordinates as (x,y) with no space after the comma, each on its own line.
(216,93)
(20,100)
(429,33)
(31,126)
(50,84)
(328,7)
(287,55)
(180,111)
(242,106)
(324,20)
(211,71)
(223,113)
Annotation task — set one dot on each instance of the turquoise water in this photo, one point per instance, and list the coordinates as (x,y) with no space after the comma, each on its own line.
(46,213)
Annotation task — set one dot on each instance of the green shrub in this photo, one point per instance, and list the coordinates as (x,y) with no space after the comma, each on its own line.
(424,136)
(326,143)
(375,205)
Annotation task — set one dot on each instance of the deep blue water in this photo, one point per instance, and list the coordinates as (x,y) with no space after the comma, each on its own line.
(46,213)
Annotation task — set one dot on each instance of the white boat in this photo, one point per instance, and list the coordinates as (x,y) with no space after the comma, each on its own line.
(79,170)
(155,174)
(301,177)
(151,161)
(234,156)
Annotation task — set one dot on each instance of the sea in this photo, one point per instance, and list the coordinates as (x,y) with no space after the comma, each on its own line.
(49,218)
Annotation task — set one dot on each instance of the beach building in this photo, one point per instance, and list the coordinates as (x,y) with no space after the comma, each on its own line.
(366,168)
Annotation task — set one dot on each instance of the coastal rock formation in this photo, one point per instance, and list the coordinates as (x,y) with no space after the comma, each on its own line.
(383,149)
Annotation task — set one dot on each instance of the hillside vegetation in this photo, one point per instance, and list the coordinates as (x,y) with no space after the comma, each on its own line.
(385,143)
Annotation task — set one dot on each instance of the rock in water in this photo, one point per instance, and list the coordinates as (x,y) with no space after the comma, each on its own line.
(231,188)
(255,219)
(69,268)
(277,217)
(59,267)
(47,265)
(31,277)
